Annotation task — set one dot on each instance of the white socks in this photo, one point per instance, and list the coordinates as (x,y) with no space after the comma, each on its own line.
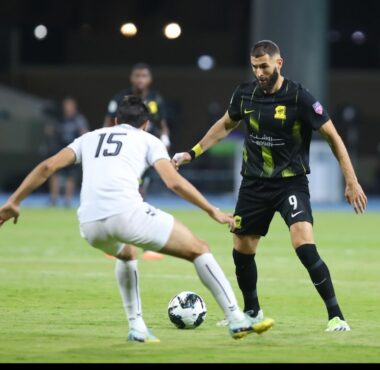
(209,272)
(214,279)
(128,281)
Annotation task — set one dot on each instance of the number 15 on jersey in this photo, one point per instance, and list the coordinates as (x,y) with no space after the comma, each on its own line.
(110,149)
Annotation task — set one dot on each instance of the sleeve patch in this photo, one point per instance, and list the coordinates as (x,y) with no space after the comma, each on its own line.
(318,108)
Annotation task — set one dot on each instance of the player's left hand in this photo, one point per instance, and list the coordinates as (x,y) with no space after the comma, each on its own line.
(9,211)
(356,197)
(180,159)
(223,218)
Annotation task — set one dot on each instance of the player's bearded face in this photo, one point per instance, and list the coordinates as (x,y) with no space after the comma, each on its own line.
(267,82)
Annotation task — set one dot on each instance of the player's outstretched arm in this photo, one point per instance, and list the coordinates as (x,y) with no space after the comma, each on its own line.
(175,182)
(34,180)
(216,133)
(354,192)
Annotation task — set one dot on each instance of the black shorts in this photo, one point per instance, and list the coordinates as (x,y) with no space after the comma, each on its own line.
(259,199)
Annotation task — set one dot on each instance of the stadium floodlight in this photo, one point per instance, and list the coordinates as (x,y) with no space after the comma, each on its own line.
(40,32)
(128,29)
(172,31)
(358,37)
(206,62)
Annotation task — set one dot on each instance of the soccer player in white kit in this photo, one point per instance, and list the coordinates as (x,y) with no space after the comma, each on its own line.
(112,212)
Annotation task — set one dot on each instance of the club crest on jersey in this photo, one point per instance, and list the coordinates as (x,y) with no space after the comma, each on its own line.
(153,107)
(318,108)
(280,112)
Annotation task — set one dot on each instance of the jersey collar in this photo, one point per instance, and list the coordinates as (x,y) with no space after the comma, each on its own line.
(127,126)
(278,92)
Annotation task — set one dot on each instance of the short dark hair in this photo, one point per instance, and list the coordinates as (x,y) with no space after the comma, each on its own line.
(133,111)
(265,47)
(139,66)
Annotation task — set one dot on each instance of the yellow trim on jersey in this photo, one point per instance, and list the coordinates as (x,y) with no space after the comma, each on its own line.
(254,124)
(245,154)
(304,168)
(253,93)
(268,165)
(287,172)
(296,131)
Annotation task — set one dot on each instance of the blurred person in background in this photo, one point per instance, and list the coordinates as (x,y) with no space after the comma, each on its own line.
(70,125)
(141,79)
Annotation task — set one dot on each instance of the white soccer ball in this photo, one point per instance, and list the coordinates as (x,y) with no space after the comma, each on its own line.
(187,310)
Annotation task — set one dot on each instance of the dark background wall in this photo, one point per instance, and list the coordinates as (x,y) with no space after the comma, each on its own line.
(195,99)
(85,55)
(190,92)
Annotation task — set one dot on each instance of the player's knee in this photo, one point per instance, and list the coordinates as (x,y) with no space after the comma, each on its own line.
(198,249)
(298,240)
(246,244)
(301,233)
(128,253)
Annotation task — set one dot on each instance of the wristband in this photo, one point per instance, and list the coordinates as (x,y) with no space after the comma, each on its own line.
(195,152)
(192,154)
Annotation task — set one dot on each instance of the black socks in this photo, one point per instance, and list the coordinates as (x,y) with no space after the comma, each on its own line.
(246,274)
(320,276)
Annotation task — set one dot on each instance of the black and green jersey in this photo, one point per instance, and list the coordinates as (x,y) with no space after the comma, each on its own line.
(279,128)
(154,102)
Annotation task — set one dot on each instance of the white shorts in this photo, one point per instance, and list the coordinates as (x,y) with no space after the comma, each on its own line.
(145,227)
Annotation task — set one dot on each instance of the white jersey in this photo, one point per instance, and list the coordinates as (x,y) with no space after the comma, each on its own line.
(113,160)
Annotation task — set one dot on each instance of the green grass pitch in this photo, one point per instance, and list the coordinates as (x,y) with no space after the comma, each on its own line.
(59,300)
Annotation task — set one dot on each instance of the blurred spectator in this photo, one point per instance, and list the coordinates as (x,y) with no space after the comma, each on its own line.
(69,126)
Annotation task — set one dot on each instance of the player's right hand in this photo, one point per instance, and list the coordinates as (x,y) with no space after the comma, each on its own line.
(223,218)
(180,159)
(356,197)
(9,211)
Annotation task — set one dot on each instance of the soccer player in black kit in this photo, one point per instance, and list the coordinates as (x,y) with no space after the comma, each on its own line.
(279,115)
(141,79)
